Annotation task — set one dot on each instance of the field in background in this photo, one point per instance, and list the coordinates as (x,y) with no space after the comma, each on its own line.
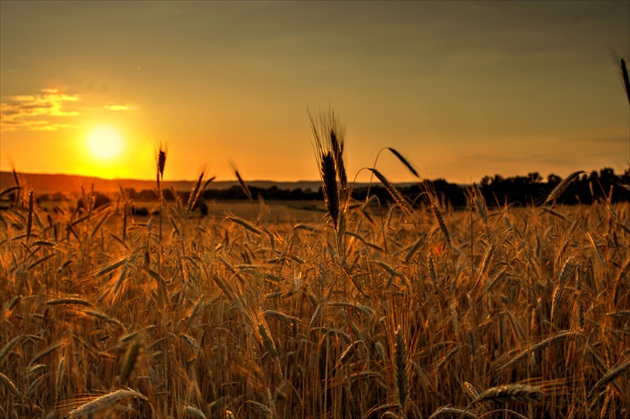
(272,211)
(507,313)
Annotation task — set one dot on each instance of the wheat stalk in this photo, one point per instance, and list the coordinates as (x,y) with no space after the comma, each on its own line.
(32,388)
(59,377)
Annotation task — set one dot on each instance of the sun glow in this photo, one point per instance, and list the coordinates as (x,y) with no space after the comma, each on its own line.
(104,143)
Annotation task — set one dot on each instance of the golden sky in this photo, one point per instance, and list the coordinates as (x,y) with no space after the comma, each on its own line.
(462,89)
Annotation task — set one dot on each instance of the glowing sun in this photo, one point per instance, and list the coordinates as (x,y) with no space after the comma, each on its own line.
(104,143)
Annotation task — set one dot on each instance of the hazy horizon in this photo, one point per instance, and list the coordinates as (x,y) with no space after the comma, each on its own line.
(462,89)
(233,178)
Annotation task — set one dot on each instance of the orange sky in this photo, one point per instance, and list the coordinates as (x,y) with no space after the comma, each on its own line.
(462,89)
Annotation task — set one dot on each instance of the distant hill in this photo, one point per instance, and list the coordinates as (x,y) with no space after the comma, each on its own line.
(50,183)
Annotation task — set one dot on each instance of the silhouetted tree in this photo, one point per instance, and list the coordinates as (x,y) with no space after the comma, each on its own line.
(553,179)
(98,200)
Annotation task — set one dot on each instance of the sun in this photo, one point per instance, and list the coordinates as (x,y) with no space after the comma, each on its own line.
(104,143)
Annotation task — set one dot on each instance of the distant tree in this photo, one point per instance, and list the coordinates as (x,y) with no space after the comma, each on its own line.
(168,194)
(98,200)
(203,208)
(146,195)
(485,181)
(139,212)
(130,193)
(553,179)
(534,177)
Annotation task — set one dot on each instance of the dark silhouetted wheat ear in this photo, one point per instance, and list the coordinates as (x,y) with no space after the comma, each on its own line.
(330,187)
(626,79)
(404,161)
(329,148)
(337,152)
(562,186)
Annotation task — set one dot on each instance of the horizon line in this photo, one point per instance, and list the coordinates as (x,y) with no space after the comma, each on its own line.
(273,180)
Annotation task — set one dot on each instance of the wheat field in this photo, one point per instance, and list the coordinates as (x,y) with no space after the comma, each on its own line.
(420,313)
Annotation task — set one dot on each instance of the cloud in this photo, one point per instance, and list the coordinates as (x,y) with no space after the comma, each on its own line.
(120,107)
(50,110)
(38,112)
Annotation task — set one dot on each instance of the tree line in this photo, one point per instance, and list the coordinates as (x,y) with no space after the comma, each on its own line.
(527,190)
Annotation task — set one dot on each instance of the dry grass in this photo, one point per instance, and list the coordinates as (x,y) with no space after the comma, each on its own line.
(254,318)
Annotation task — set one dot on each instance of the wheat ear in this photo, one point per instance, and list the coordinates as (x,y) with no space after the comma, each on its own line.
(193,412)
(555,339)
(195,194)
(7,348)
(329,186)
(512,393)
(103,402)
(452,412)
(610,376)
(404,161)
(242,183)
(131,359)
(626,79)
(440,220)
(562,186)
(398,197)
(10,385)
(400,364)
(337,145)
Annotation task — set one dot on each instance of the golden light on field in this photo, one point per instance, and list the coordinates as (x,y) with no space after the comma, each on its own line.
(104,143)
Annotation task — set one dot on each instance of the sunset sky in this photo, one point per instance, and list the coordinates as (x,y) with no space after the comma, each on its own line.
(462,89)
